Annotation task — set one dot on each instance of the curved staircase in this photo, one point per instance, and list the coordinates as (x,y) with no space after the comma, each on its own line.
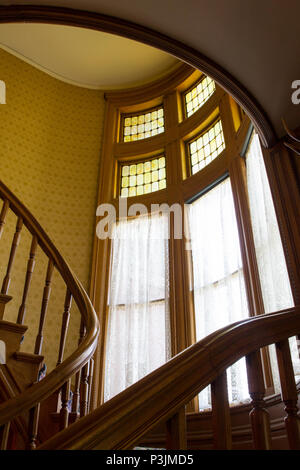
(39,411)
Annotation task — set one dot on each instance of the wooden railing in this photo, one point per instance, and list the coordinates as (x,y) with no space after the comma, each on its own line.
(161,396)
(79,363)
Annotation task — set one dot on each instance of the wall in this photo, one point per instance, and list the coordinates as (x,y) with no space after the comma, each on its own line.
(50,140)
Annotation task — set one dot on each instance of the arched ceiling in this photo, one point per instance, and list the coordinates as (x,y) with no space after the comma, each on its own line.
(256,41)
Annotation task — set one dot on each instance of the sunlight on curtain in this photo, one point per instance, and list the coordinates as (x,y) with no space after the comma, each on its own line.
(218,281)
(138,338)
(269,252)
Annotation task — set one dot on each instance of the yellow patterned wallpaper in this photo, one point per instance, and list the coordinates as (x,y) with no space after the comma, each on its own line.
(50,140)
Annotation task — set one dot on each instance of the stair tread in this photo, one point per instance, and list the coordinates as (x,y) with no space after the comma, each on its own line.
(28,357)
(4,298)
(10,326)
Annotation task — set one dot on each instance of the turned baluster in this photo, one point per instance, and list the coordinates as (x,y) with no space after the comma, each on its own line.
(84,390)
(259,417)
(4,435)
(76,395)
(64,411)
(64,326)
(29,272)
(220,414)
(90,381)
(176,431)
(15,243)
(3,213)
(45,300)
(34,414)
(289,393)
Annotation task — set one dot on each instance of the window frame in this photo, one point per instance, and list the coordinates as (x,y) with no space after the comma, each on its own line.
(181,188)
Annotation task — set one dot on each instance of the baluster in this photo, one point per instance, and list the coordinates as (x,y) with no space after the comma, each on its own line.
(176,431)
(259,417)
(15,243)
(220,413)
(64,326)
(90,381)
(29,272)
(3,213)
(289,393)
(64,411)
(46,295)
(4,435)
(76,395)
(84,390)
(34,414)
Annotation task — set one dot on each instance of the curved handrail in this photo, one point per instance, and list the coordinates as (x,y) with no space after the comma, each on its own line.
(122,421)
(56,378)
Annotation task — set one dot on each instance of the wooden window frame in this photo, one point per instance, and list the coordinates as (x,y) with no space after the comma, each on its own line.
(181,187)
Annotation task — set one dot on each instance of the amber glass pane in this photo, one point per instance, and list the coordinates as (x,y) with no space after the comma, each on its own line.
(206,147)
(143,125)
(144,177)
(196,97)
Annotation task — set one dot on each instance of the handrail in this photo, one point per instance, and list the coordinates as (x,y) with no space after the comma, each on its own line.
(64,371)
(121,422)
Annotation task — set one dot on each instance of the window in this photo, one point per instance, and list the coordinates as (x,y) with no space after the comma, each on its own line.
(143,177)
(144,125)
(138,338)
(206,147)
(272,268)
(218,279)
(198,95)
(161,297)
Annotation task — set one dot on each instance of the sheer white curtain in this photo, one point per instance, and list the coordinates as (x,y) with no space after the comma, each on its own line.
(218,281)
(138,337)
(270,257)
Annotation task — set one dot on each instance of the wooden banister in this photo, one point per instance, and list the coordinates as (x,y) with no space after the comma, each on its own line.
(121,422)
(58,379)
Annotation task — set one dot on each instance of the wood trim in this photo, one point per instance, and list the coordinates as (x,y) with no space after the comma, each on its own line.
(130,30)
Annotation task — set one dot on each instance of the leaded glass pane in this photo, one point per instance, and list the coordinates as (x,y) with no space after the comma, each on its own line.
(144,125)
(144,177)
(206,147)
(196,97)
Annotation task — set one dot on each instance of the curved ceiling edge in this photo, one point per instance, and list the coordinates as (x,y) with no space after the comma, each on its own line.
(130,30)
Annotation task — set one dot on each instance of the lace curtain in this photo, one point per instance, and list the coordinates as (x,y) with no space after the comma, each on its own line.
(269,252)
(138,338)
(218,281)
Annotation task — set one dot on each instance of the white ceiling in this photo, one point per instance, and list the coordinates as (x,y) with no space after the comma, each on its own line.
(85,57)
(257,41)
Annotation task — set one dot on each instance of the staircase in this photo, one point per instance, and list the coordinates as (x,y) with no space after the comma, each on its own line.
(52,410)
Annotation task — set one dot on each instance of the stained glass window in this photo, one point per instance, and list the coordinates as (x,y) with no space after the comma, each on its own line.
(197,96)
(206,147)
(144,125)
(143,177)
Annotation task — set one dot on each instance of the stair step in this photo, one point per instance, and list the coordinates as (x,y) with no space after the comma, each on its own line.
(11,334)
(25,368)
(4,299)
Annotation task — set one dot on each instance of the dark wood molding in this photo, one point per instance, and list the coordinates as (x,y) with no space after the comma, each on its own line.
(130,30)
